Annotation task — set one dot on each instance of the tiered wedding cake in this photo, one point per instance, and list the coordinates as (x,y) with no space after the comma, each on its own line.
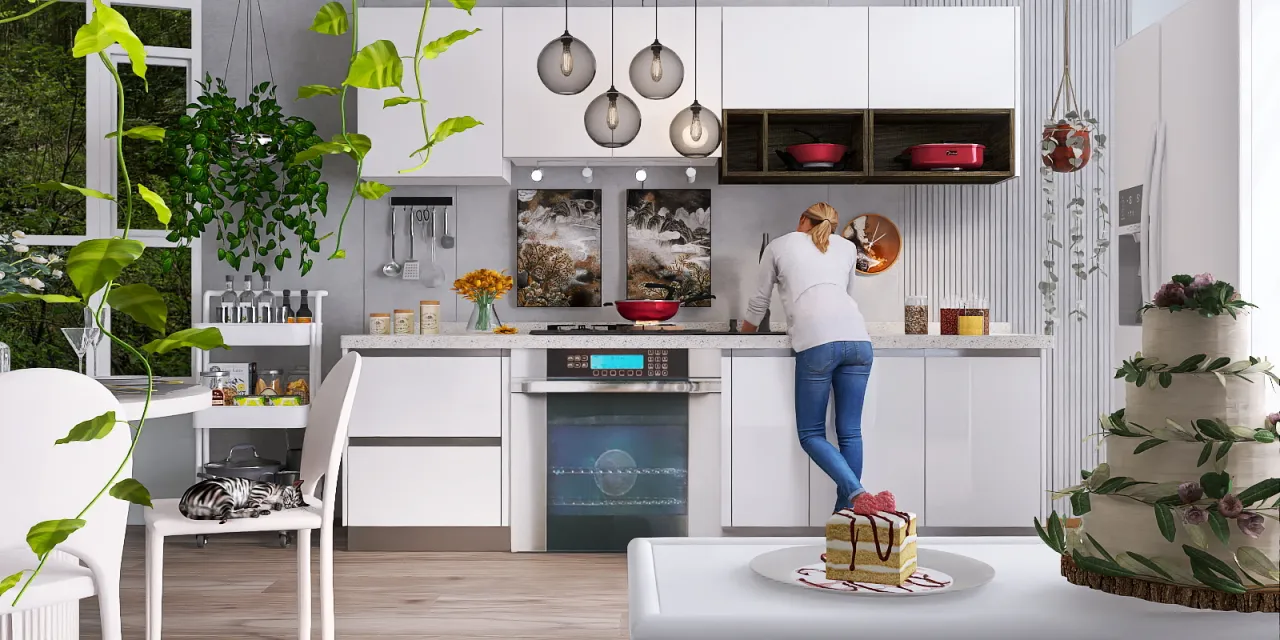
(1185,510)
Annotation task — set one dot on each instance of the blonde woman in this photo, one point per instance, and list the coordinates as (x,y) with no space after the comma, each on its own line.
(814,270)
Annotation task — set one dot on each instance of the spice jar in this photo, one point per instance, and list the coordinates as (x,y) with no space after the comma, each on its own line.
(429,317)
(980,307)
(299,385)
(402,322)
(270,383)
(916,316)
(948,317)
(379,324)
(217,383)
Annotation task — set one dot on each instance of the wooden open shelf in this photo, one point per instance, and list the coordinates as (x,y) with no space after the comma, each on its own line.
(876,139)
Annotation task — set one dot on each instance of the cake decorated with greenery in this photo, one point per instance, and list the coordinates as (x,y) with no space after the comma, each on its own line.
(1186,508)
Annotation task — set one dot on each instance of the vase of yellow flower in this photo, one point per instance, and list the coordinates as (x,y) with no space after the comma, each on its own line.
(483,287)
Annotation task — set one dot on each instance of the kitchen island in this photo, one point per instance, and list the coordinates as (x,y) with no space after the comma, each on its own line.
(461,422)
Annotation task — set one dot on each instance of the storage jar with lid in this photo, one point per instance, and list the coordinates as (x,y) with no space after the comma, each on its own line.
(429,317)
(217,383)
(379,324)
(916,316)
(402,322)
(270,383)
(299,384)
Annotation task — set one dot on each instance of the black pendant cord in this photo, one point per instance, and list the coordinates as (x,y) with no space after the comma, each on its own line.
(695,51)
(611,84)
(566,16)
(655,20)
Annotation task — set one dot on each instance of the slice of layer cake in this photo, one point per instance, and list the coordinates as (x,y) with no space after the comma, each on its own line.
(873,545)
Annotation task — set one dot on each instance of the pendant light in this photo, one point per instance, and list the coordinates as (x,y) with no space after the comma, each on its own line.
(566,65)
(612,119)
(695,132)
(656,72)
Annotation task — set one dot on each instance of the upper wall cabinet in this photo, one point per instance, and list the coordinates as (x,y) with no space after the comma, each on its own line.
(940,58)
(798,57)
(464,81)
(634,32)
(537,123)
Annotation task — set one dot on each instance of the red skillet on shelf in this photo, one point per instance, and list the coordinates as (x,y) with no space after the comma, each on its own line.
(654,310)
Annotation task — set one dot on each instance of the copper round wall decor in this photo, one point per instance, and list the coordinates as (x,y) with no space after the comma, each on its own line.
(878,240)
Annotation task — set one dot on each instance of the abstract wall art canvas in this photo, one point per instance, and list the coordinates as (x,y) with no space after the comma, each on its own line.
(558,248)
(669,242)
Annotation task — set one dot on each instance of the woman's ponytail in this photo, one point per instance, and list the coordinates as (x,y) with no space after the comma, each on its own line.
(824,219)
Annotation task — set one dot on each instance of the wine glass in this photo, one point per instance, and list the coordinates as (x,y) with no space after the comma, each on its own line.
(84,337)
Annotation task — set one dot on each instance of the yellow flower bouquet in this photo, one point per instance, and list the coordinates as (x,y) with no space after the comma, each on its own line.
(483,287)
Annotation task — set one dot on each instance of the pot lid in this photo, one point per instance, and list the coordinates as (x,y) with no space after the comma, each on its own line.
(245,462)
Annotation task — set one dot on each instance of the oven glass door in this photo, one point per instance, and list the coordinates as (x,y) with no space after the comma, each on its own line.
(617,469)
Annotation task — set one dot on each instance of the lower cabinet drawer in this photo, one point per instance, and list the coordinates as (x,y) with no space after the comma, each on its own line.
(424,486)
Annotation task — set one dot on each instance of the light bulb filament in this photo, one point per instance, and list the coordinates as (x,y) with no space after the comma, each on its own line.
(655,65)
(566,59)
(695,127)
(611,115)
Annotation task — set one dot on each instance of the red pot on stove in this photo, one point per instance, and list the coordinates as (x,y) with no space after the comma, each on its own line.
(945,156)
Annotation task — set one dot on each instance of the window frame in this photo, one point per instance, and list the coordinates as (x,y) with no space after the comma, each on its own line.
(101,160)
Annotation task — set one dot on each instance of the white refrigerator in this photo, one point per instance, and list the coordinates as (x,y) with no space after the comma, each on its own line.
(1196,161)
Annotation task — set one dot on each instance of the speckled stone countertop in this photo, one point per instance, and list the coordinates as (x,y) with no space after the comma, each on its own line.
(883,336)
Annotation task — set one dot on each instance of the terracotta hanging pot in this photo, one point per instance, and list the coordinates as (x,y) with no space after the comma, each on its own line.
(1066,147)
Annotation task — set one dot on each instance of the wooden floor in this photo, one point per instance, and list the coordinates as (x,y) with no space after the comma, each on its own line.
(242,586)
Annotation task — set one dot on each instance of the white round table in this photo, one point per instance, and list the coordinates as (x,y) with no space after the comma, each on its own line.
(171,397)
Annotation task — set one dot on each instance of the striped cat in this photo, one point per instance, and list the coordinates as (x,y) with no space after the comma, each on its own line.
(225,498)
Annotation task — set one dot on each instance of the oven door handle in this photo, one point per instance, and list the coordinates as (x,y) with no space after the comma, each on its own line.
(691,387)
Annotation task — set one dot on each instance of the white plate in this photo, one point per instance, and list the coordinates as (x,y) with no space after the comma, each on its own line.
(954,571)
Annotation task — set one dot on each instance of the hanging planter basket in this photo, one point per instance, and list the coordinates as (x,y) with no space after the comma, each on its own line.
(1066,143)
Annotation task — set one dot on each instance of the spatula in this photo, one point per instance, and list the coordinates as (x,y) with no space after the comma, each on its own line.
(410,270)
(434,275)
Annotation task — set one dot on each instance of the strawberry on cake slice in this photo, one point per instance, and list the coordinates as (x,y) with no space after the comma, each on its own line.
(871,542)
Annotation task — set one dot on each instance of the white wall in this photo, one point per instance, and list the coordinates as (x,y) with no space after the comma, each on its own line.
(1144,13)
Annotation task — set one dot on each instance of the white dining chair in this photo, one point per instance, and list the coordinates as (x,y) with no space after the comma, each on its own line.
(42,481)
(321,454)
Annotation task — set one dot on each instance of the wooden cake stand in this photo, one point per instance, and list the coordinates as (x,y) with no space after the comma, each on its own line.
(1256,600)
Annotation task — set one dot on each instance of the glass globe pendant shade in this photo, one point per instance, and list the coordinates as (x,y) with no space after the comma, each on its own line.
(612,119)
(695,132)
(656,72)
(566,65)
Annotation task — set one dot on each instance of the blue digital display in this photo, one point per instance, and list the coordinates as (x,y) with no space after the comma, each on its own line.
(617,361)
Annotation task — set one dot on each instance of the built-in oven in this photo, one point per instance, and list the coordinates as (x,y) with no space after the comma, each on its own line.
(609,445)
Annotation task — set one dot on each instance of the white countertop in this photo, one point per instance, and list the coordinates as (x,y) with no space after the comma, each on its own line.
(884,336)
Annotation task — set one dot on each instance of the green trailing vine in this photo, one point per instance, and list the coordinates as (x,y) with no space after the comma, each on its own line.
(237,172)
(1139,370)
(377,66)
(93,267)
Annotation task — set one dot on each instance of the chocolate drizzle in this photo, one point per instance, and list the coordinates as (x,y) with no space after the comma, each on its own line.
(917,582)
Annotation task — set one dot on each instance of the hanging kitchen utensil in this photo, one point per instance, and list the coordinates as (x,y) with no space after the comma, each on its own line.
(433,277)
(410,270)
(446,240)
(1065,144)
(392,269)
(764,244)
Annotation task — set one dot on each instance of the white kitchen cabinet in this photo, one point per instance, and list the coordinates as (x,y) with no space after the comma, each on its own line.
(942,58)
(429,397)
(539,124)
(796,57)
(634,32)
(464,81)
(770,471)
(893,440)
(423,486)
(983,422)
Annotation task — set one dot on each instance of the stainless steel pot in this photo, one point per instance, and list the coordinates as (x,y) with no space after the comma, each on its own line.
(251,466)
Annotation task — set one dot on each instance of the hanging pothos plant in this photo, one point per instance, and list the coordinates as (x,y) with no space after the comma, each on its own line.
(1067,144)
(238,171)
(377,66)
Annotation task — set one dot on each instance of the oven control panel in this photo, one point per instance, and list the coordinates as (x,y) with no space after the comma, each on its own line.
(628,364)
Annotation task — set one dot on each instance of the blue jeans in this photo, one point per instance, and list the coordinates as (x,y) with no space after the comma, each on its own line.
(846,367)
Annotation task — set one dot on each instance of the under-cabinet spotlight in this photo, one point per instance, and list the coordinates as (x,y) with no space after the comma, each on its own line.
(586,175)
(641,175)
(691,174)
(536,174)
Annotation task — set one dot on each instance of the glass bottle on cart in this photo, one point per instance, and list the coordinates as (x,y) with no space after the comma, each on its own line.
(266,302)
(246,303)
(227,311)
(304,312)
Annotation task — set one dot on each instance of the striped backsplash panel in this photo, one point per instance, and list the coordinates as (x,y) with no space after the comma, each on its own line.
(990,241)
